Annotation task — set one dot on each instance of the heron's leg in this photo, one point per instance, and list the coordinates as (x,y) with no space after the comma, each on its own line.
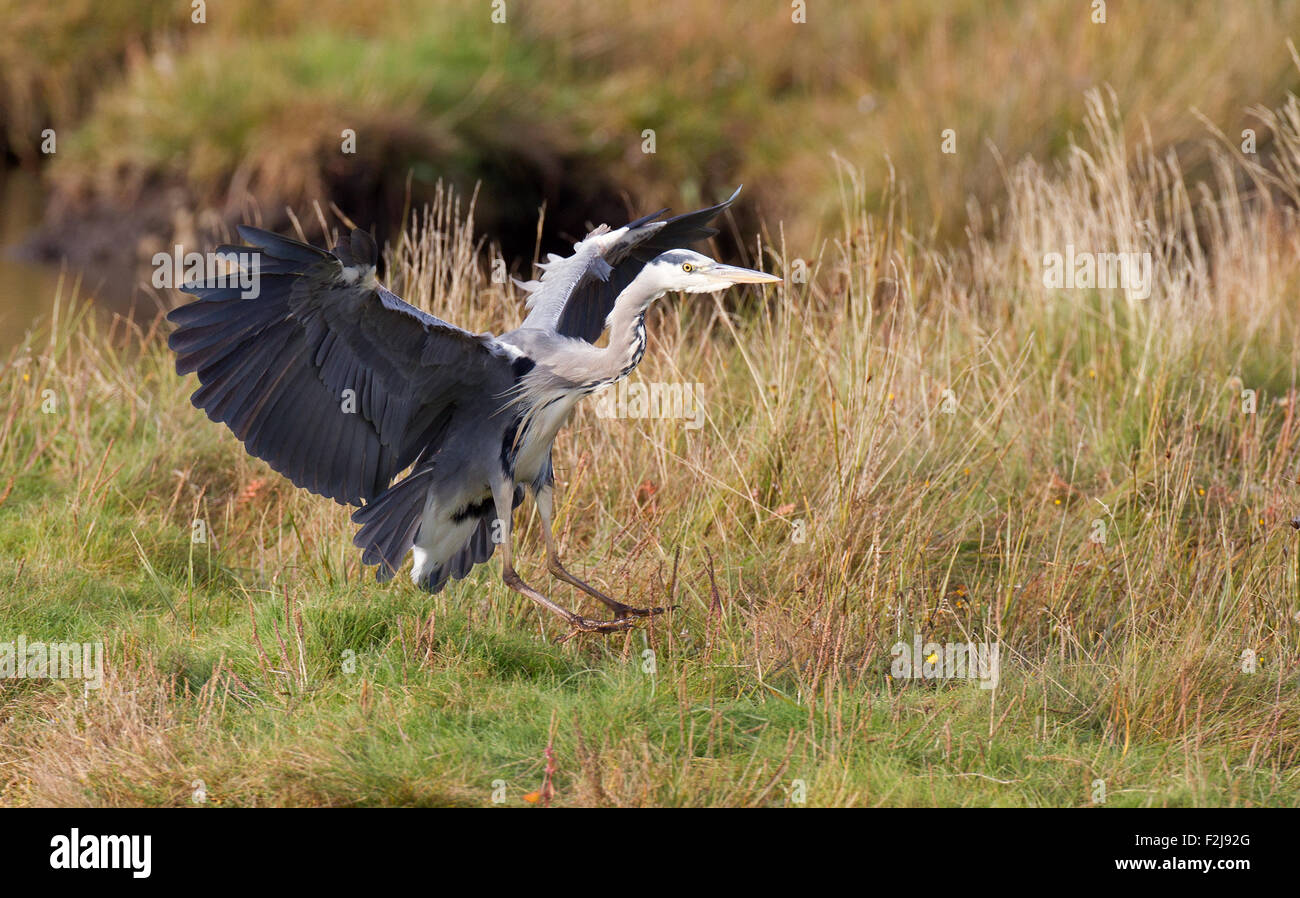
(503,496)
(545,507)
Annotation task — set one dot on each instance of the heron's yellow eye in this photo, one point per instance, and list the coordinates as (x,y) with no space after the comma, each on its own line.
(687,267)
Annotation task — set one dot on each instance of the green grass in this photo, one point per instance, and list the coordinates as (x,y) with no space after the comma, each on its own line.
(434,99)
(437,713)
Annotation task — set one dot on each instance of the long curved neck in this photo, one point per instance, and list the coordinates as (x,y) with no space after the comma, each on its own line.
(627,328)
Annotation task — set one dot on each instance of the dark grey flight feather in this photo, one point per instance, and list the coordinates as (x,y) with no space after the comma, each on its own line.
(274,367)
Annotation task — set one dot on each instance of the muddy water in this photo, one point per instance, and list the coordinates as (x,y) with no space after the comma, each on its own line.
(27,289)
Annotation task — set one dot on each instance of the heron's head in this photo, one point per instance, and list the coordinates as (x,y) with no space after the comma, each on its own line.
(690,272)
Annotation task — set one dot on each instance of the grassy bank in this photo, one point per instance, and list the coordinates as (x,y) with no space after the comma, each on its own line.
(906,441)
(244,114)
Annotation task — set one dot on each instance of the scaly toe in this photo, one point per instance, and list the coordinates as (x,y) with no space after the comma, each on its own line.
(645,612)
(607,626)
(587,625)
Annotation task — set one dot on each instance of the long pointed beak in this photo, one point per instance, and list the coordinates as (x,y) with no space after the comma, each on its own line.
(743,275)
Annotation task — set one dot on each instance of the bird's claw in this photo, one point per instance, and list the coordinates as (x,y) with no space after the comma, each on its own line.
(646,612)
(587,625)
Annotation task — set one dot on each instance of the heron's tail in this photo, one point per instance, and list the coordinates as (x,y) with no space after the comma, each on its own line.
(461,543)
(390,522)
(476,550)
(390,527)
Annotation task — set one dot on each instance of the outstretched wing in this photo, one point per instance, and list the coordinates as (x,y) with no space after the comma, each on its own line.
(575,295)
(333,380)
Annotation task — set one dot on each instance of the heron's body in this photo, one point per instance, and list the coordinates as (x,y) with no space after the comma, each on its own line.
(525,456)
(341,386)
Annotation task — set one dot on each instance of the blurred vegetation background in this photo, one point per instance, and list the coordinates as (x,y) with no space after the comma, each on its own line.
(170,130)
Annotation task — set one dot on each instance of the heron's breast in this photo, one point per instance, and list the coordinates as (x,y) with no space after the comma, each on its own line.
(533,446)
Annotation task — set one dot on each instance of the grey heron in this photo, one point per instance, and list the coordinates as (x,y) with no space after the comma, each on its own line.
(472,416)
